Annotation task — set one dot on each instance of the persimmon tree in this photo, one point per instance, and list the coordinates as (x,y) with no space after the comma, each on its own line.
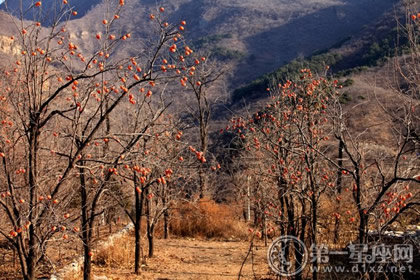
(282,144)
(204,84)
(147,96)
(153,169)
(136,146)
(384,182)
(101,173)
(289,151)
(56,106)
(377,180)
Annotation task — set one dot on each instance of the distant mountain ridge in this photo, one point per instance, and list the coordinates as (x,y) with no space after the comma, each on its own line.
(48,9)
(254,36)
(258,36)
(370,47)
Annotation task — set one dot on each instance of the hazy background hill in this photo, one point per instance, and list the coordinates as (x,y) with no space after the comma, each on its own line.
(255,36)
(48,9)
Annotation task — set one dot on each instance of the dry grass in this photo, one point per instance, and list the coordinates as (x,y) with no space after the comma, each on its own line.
(119,254)
(208,219)
(74,276)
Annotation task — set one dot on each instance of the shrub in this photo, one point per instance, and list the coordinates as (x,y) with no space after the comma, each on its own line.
(207,218)
(118,254)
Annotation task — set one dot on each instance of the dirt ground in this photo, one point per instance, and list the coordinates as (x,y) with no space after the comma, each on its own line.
(197,259)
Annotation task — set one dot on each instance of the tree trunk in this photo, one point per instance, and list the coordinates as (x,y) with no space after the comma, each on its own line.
(137,256)
(203,182)
(31,258)
(336,230)
(248,201)
(298,263)
(363,228)
(314,235)
(204,145)
(98,230)
(339,187)
(283,228)
(30,266)
(150,234)
(137,226)
(299,252)
(363,218)
(291,230)
(22,260)
(265,229)
(166,211)
(150,225)
(166,224)
(281,185)
(256,215)
(87,262)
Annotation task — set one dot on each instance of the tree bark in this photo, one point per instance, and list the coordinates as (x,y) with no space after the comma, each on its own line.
(32,256)
(150,237)
(248,201)
(150,224)
(87,261)
(204,122)
(22,260)
(363,228)
(339,187)
(166,212)
(30,266)
(299,253)
(137,226)
(314,235)
(203,182)
(166,224)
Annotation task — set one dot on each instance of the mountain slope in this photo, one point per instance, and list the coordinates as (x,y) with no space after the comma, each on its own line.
(366,48)
(256,36)
(309,33)
(252,36)
(49,9)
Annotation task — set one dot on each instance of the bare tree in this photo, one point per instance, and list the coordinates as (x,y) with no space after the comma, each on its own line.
(204,84)
(57,102)
(283,148)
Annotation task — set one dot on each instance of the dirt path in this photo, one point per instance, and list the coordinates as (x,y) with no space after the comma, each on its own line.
(197,259)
